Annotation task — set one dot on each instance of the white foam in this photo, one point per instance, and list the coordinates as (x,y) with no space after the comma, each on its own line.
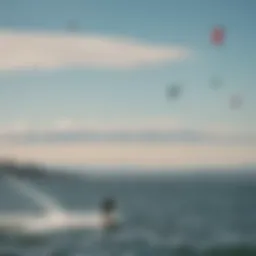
(65,221)
(55,218)
(50,222)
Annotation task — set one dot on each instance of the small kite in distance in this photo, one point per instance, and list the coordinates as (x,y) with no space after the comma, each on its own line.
(215,83)
(173,91)
(236,101)
(218,35)
(72,26)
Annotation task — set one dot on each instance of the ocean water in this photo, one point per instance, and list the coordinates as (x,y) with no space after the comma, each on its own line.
(161,215)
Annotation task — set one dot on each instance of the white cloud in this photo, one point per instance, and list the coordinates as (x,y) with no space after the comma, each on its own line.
(18,127)
(65,124)
(157,130)
(25,50)
(70,125)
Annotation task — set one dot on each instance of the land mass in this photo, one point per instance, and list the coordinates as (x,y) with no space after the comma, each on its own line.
(12,167)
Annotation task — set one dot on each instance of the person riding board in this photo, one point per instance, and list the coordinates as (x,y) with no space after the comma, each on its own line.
(108,209)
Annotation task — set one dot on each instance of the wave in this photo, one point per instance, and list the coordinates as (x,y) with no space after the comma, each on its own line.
(132,242)
(239,250)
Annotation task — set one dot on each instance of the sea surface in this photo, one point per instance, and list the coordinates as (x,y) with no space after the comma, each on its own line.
(193,214)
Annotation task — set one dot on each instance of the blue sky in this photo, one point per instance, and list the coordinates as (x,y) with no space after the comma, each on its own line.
(45,94)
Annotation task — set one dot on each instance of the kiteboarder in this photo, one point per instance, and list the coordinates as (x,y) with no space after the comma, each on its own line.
(108,209)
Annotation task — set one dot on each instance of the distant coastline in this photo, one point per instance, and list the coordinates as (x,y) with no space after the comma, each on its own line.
(32,170)
(9,166)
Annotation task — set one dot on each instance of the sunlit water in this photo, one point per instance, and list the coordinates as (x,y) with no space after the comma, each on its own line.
(175,215)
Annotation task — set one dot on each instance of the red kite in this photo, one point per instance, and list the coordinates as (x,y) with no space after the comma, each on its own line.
(217,36)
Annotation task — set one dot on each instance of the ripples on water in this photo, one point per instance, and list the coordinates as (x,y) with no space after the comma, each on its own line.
(174,216)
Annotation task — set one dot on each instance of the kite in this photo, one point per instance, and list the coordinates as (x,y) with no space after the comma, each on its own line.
(173,91)
(236,101)
(72,26)
(218,36)
(216,83)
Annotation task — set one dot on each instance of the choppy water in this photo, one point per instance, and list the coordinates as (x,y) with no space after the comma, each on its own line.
(175,215)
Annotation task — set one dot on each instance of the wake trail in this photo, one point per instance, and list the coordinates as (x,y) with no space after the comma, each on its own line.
(38,197)
(56,218)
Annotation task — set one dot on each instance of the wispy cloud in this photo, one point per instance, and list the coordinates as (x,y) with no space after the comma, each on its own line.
(154,131)
(65,124)
(25,50)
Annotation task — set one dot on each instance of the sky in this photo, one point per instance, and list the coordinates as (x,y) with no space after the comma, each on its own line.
(96,94)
